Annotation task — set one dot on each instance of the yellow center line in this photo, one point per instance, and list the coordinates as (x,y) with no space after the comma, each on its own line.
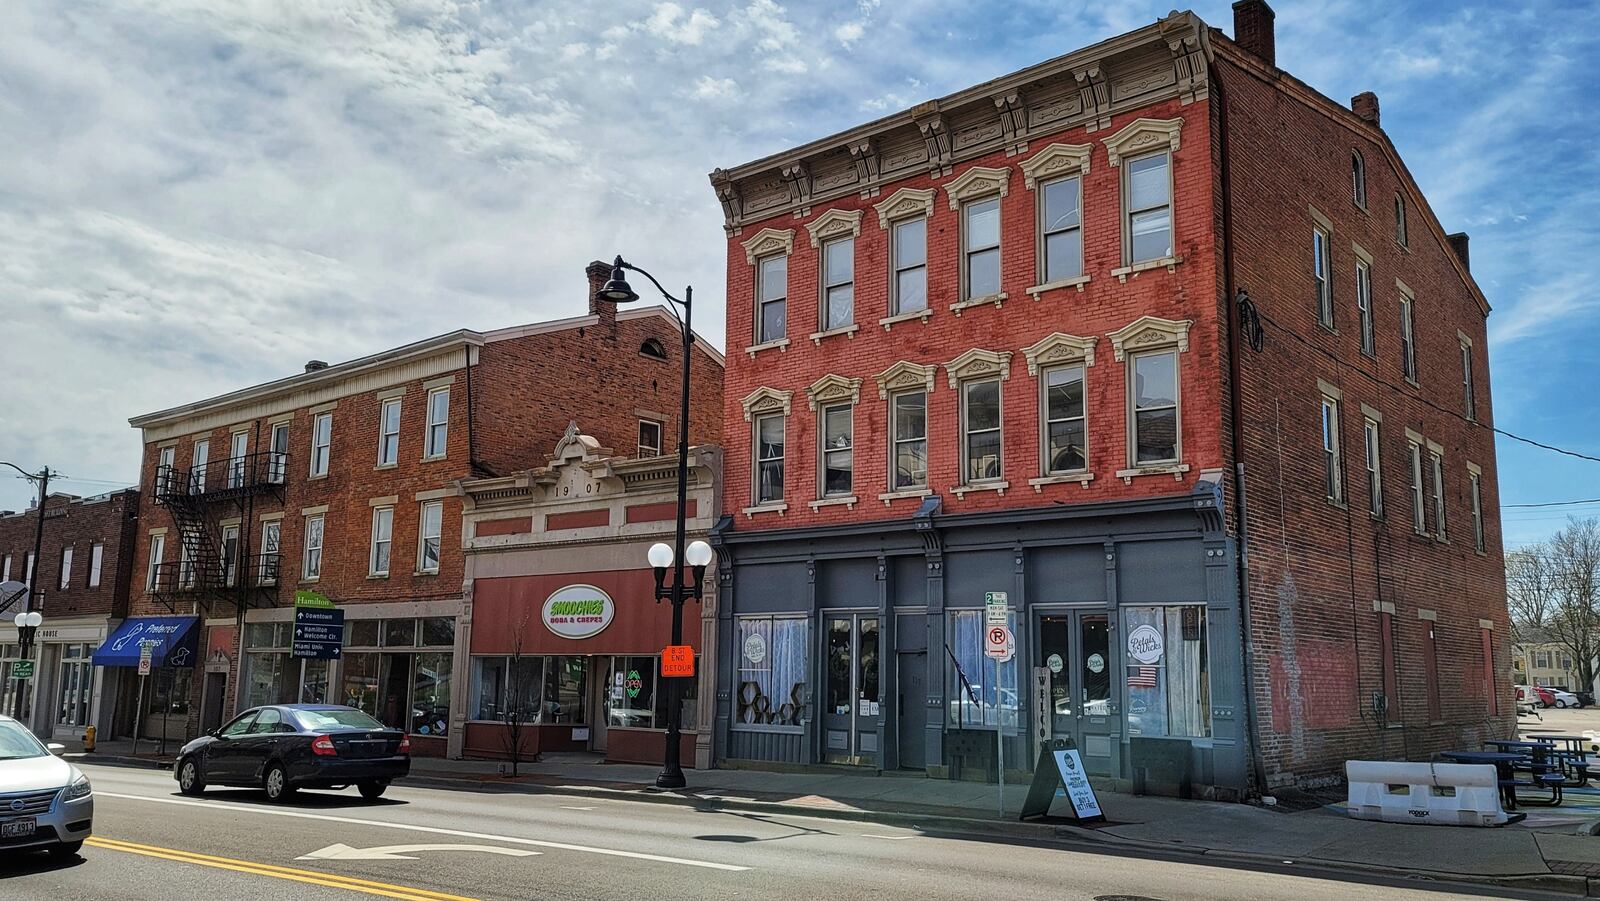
(329,880)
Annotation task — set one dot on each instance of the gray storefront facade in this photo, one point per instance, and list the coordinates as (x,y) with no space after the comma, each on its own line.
(862,645)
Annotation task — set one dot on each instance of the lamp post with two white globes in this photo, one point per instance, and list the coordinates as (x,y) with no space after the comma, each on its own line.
(27,624)
(698,556)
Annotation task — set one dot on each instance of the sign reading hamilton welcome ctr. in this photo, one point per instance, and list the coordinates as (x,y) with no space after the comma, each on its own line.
(578,611)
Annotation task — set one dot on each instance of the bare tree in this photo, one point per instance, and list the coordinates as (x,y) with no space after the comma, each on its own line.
(1530,592)
(1574,562)
(515,715)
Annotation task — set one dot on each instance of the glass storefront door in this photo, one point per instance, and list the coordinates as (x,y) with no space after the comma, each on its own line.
(1075,646)
(74,686)
(852,711)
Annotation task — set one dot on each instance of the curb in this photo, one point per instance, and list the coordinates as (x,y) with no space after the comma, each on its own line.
(143,763)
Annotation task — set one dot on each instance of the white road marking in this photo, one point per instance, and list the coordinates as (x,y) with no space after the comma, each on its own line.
(565,807)
(338,851)
(892,838)
(435,830)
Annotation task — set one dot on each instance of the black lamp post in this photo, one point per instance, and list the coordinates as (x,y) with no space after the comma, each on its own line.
(697,555)
(25,632)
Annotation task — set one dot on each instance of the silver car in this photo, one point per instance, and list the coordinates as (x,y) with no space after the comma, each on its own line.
(45,802)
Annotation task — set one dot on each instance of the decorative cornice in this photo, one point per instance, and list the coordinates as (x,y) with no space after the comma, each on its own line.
(834,223)
(1143,134)
(766,400)
(832,388)
(905,375)
(1150,331)
(1059,348)
(906,202)
(979,181)
(1056,159)
(767,241)
(978,362)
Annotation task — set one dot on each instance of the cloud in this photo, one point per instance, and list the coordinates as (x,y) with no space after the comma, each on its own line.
(669,22)
(850,32)
(708,88)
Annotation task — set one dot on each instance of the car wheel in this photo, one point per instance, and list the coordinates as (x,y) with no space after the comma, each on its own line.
(189,780)
(277,784)
(1562,703)
(372,791)
(66,849)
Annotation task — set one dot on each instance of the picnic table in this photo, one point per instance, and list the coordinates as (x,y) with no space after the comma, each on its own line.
(1506,765)
(1573,756)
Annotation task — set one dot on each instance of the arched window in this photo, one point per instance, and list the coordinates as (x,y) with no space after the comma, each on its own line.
(653,349)
(1358,179)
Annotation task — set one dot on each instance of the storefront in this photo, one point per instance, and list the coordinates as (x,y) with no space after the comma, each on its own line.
(865,647)
(156,704)
(66,692)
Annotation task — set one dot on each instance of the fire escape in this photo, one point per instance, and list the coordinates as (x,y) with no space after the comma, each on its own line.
(214,568)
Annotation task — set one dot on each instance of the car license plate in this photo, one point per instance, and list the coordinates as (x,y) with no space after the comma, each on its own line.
(18,828)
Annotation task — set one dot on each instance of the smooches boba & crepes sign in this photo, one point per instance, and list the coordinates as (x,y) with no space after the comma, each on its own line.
(578,611)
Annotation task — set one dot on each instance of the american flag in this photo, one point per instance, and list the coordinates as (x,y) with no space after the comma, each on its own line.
(1142,677)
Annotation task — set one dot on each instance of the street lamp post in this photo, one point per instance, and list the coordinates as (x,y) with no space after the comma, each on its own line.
(660,556)
(33,577)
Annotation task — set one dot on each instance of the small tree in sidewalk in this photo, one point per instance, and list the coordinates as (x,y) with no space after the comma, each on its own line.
(515,713)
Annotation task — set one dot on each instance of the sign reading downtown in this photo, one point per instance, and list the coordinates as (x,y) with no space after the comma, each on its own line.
(318,627)
(578,611)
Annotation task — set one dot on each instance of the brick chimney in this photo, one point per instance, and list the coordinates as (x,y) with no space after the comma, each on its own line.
(599,273)
(1365,105)
(1458,243)
(1252,29)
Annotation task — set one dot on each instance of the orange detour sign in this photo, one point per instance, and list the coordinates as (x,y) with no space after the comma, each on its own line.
(677,660)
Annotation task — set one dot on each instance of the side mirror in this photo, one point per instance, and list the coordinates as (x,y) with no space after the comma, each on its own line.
(55,748)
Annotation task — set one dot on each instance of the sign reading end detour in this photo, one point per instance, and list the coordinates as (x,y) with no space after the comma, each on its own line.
(1059,772)
(677,660)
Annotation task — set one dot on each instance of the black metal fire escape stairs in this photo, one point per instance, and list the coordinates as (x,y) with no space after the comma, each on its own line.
(210,572)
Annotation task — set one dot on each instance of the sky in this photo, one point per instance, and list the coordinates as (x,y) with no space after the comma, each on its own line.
(198,196)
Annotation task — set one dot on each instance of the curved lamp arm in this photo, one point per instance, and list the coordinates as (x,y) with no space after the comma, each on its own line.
(34,475)
(646,273)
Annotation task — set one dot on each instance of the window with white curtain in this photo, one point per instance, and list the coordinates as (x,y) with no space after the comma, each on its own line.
(1171,695)
(976,699)
(772,672)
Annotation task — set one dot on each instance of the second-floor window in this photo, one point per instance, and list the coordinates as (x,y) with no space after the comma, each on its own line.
(97,554)
(1469,402)
(1371,436)
(438,422)
(429,532)
(66,568)
(908,417)
(980,430)
(382,539)
(772,296)
(158,550)
(1419,510)
(321,443)
(1364,305)
(1061,224)
(909,293)
(769,458)
(838,455)
(1148,224)
(649,438)
(1333,478)
(980,259)
(1438,495)
(278,463)
(238,449)
(1154,416)
(1408,345)
(271,531)
(311,557)
(198,467)
(1065,449)
(838,283)
(230,555)
(1322,272)
(389,432)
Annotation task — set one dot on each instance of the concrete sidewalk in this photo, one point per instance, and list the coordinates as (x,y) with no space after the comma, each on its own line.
(1531,859)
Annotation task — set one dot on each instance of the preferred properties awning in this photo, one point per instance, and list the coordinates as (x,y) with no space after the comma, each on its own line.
(173,640)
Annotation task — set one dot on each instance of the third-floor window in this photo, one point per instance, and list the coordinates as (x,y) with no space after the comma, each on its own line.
(772,295)
(1469,402)
(1062,228)
(838,283)
(980,232)
(438,422)
(321,443)
(1322,273)
(910,249)
(1408,339)
(1149,208)
(1364,305)
(389,432)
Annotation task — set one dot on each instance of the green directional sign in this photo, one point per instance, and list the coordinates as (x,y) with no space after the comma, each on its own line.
(22,669)
(312,599)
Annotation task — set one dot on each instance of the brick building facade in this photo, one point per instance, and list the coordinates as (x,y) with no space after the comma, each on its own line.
(345,480)
(993,344)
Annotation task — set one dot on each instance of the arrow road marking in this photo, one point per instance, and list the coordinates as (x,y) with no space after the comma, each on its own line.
(404,852)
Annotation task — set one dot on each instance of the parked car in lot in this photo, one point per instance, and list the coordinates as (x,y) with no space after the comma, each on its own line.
(286,747)
(1585,698)
(45,802)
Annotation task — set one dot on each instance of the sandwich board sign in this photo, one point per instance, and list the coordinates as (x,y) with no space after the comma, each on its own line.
(1059,773)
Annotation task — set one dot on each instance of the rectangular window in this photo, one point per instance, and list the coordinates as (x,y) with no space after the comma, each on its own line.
(1469,401)
(910,239)
(267,572)
(1065,449)
(975,699)
(507,689)
(1155,408)
(158,549)
(166,479)
(382,538)
(773,652)
(438,422)
(1419,510)
(389,432)
(980,265)
(980,430)
(649,438)
(1438,496)
(1541,659)
(1391,679)
(230,555)
(838,283)
(769,458)
(1476,482)
(631,696)
(1061,226)
(1358,179)
(5,568)
(311,559)
(772,294)
(1408,346)
(838,441)
(66,568)
(428,536)
(1333,477)
(321,443)
(238,449)
(1430,666)
(1322,273)
(1174,689)
(909,420)
(1400,220)
(278,466)
(198,466)
(1149,204)
(1364,305)
(1374,468)
(28,579)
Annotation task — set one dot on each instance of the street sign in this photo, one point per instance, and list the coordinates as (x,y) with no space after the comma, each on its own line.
(318,632)
(997,643)
(996,608)
(312,599)
(145,656)
(22,669)
(677,660)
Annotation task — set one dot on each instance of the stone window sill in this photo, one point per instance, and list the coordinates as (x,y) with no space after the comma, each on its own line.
(849,501)
(1061,284)
(1082,478)
(435,458)
(996,299)
(781,344)
(377,576)
(889,497)
(1176,470)
(316,478)
(777,508)
(961,491)
(425,572)
(890,321)
(386,466)
(1167,263)
(849,330)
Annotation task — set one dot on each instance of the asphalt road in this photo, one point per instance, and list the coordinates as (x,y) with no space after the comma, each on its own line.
(151,844)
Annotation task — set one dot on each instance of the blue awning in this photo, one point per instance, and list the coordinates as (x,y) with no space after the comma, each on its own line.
(174,641)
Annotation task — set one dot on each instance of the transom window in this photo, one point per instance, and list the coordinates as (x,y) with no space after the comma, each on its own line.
(1149,205)
(1065,449)
(769,457)
(910,240)
(980,430)
(1155,408)
(772,292)
(838,439)
(1364,305)
(980,229)
(1322,272)
(838,283)
(1062,227)
(909,419)
(389,433)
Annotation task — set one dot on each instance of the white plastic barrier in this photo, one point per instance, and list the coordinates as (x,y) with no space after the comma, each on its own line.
(1444,794)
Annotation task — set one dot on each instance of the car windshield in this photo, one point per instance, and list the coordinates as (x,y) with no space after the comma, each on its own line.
(335,720)
(17,743)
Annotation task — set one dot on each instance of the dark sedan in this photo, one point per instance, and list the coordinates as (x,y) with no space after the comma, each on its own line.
(287,747)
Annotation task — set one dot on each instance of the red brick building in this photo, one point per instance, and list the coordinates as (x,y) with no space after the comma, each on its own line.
(345,480)
(1108,336)
(82,591)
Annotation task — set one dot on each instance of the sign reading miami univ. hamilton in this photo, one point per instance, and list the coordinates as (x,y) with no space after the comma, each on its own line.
(578,611)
